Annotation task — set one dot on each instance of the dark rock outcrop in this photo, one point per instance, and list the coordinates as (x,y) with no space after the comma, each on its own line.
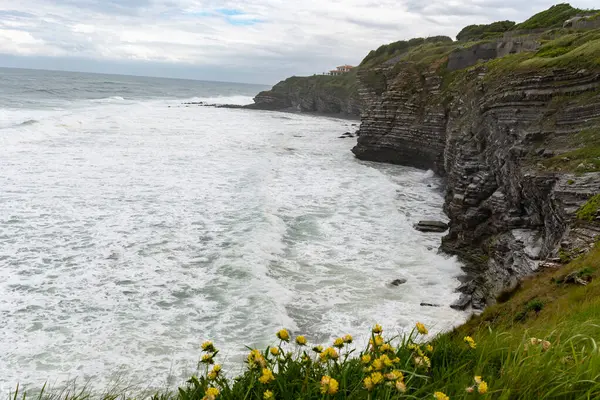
(431,226)
(317,94)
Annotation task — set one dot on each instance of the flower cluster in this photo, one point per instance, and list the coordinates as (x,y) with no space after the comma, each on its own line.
(544,344)
(384,367)
(210,352)
(469,340)
(480,385)
(329,385)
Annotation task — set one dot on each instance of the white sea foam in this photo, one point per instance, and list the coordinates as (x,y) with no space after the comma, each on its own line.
(129,233)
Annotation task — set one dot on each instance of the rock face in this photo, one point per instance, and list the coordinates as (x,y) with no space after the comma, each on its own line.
(488,133)
(431,226)
(318,94)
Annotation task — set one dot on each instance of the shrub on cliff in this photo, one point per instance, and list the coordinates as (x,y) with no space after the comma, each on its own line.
(480,32)
(387,51)
(554,17)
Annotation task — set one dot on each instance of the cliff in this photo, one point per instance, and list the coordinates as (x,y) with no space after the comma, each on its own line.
(319,93)
(514,126)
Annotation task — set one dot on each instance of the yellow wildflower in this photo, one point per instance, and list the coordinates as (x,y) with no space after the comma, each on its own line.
(267,376)
(469,340)
(329,385)
(378,365)
(329,354)
(207,359)
(284,335)
(212,376)
(268,395)
(255,358)
(423,362)
(348,339)
(421,328)
(400,386)
(427,361)
(208,347)
(217,368)
(318,349)
(376,378)
(429,348)
(478,380)
(396,360)
(440,396)
(377,342)
(368,384)
(377,329)
(339,343)
(274,351)
(306,359)
(482,388)
(394,375)
(301,340)
(211,393)
(366,359)
(386,360)
(386,347)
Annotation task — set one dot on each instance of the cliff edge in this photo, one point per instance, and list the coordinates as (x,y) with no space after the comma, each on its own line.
(513,123)
(319,94)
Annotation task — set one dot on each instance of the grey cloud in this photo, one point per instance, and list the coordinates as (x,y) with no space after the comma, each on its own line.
(186,37)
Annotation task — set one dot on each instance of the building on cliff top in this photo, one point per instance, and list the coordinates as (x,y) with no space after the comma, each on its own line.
(341,70)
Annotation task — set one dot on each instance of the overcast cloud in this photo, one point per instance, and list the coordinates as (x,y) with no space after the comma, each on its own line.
(258,41)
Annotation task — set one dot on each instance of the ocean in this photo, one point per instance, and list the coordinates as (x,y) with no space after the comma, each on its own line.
(133,227)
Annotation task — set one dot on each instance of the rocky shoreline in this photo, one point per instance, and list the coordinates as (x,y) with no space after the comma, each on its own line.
(512,124)
(492,136)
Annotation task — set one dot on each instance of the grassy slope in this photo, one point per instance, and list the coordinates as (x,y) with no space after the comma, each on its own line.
(554,17)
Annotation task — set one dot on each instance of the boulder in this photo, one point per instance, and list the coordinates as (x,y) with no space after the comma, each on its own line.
(431,226)
(398,282)
(462,303)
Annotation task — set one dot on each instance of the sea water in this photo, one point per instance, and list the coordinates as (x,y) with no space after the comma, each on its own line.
(133,227)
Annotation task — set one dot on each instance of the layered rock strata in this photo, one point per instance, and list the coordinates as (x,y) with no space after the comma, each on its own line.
(488,133)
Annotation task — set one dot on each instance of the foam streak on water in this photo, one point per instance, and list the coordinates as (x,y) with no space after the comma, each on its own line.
(131,231)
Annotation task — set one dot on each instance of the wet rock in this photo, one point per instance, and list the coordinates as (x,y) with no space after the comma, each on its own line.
(429,305)
(462,303)
(398,282)
(466,287)
(346,135)
(431,226)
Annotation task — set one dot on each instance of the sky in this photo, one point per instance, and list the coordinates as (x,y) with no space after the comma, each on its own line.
(254,41)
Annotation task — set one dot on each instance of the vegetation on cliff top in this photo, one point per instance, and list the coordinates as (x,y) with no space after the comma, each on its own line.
(388,51)
(533,345)
(481,32)
(589,210)
(554,17)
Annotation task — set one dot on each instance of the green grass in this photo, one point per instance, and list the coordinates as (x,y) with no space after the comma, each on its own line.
(485,31)
(554,17)
(582,160)
(589,210)
(388,51)
(540,343)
